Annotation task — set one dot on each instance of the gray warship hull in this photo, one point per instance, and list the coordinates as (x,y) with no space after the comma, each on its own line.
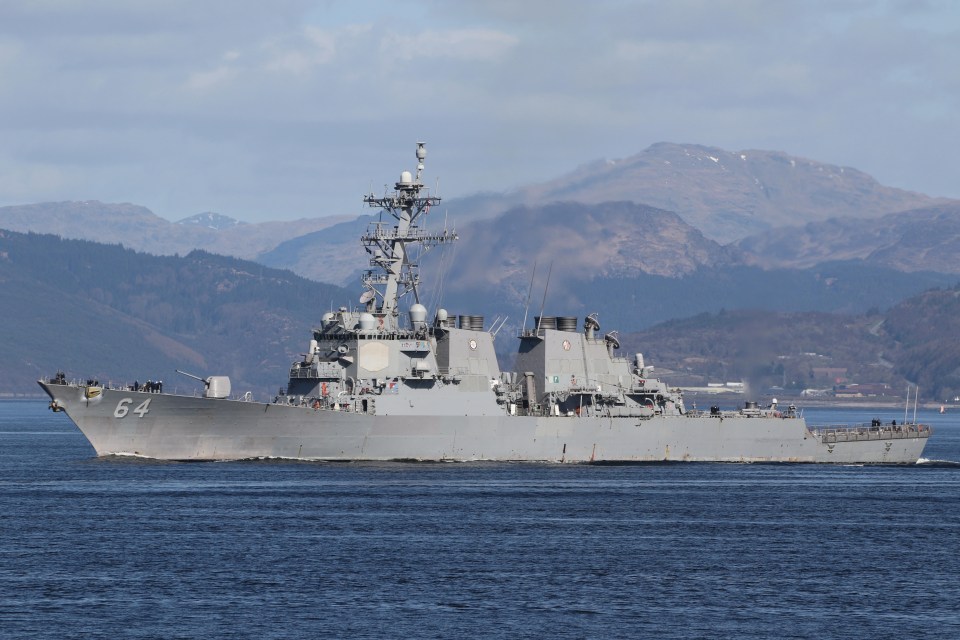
(174,427)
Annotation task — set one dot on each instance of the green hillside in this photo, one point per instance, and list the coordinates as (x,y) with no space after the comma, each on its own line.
(914,342)
(107,312)
(104,311)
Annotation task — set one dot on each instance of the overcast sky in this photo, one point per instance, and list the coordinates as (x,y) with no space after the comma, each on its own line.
(295,108)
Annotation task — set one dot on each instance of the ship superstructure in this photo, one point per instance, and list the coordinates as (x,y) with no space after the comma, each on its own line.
(384,381)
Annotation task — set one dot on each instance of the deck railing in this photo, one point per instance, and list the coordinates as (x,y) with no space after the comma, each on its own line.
(847,433)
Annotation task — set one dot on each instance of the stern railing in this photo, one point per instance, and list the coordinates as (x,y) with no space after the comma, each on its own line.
(855,433)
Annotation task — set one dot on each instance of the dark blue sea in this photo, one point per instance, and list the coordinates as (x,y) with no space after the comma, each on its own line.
(123,548)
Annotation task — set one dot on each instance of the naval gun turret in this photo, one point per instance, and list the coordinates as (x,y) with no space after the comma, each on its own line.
(213,386)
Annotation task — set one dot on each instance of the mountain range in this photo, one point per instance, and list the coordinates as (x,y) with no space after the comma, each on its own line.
(926,239)
(639,266)
(752,201)
(727,195)
(912,342)
(138,228)
(104,312)
(675,231)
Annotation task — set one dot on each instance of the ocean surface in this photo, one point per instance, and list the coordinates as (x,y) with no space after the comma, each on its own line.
(125,548)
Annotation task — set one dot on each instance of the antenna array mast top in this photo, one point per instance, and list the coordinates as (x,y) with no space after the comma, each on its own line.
(394,271)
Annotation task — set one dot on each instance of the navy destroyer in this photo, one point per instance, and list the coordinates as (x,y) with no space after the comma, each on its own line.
(384,381)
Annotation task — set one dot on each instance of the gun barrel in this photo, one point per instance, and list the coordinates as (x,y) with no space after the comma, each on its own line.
(190,375)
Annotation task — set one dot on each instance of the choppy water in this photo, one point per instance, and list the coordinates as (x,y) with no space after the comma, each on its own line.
(138,549)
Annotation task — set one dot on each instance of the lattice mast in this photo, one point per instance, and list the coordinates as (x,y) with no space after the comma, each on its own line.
(394,269)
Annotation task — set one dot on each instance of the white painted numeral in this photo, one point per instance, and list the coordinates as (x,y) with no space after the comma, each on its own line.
(143,408)
(123,408)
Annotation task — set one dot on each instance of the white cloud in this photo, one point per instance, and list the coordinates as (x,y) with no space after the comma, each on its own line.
(300,53)
(460,44)
(242,104)
(203,80)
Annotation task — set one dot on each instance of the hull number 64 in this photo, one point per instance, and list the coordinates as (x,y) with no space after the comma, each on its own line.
(123,408)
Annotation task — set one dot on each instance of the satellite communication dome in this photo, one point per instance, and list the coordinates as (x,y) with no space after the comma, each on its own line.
(418,314)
